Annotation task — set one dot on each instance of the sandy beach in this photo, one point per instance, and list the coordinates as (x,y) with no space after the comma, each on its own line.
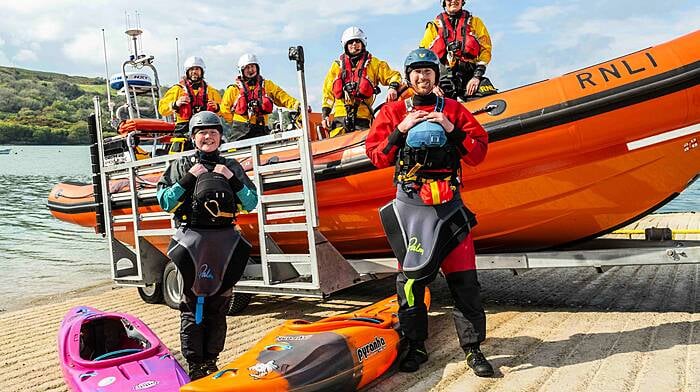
(629,329)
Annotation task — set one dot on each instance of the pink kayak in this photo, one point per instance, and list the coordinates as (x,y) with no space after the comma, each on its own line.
(102,351)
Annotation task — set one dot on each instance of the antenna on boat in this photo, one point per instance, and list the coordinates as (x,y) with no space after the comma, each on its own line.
(177,58)
(138,26)
(134,34)
(110,104)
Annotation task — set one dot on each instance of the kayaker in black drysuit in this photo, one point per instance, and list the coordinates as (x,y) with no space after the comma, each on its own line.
(427,139)
(204,191)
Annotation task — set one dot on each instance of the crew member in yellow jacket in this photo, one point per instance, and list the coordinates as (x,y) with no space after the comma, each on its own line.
(463,45)
(250,100)
(351,85)
(191,96)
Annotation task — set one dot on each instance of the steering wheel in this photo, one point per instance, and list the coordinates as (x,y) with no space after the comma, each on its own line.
(117,353)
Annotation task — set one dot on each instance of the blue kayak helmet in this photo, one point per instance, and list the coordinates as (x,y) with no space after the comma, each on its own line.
(421,58)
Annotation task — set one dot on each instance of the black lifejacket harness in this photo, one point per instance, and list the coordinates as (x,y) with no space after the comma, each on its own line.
(418,166)
(213,203)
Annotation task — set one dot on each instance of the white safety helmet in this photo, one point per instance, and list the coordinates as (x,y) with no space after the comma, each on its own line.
(247,59)
(194,61)
(352,33)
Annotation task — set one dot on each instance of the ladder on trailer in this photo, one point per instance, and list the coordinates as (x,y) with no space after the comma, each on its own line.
(319,271)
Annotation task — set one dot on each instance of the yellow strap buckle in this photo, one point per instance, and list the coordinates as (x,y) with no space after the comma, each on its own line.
(414,170)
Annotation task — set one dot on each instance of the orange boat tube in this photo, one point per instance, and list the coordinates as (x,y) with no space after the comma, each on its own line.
(570,158)
(339,353)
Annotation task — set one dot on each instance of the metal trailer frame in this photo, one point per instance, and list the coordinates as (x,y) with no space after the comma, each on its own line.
(323,270)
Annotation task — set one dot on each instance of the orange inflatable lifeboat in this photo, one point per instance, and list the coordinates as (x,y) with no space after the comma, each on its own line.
(569,159)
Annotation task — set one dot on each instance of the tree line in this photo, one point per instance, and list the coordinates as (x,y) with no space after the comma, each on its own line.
(46,108)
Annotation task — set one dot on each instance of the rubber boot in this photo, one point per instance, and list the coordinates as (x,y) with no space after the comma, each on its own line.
(415,356)
(210,366)
(197,370)
(478,362)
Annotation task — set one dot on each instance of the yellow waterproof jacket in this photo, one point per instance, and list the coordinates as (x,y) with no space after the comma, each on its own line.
(478,30)
(276,93)
(165,106)
(378,72)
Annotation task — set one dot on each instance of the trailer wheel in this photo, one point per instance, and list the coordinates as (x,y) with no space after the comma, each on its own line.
(239,301)
(152,294)
(172,286)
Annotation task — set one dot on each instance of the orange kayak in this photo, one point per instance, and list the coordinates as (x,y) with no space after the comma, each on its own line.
(339,353)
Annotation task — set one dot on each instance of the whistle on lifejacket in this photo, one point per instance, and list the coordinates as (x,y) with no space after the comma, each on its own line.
(414,170)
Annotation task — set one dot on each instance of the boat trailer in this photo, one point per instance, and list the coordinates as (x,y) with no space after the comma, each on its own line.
(322,270)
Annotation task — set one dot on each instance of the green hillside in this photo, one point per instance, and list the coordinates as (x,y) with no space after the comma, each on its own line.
(44,107)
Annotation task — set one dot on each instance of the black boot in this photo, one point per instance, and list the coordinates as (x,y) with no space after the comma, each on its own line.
(210,366)
(197,370)
(478,362)
(415,356)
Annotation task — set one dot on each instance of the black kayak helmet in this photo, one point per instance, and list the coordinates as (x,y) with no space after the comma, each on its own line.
(205,119)
(421,58)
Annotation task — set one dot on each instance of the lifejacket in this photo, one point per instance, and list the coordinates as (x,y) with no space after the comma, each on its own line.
(252,101)
(198,100)
(213,201)
(456,42)
(353,82)
(427,154)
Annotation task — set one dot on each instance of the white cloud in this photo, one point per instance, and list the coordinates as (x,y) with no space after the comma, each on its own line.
(4,60)
(85,46)
(46,29)
(534,19)
(529,42)
(25,55)
(234,47)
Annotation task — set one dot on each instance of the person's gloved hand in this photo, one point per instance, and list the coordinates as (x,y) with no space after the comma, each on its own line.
(183,100)
(411,120)
(325,118)
(223,170)
(198,169)
(473,85)
(392,94)
(212,106)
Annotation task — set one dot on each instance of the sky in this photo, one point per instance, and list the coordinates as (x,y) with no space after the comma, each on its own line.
(533,40)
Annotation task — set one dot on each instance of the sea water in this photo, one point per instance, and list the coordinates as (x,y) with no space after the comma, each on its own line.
(41,255)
